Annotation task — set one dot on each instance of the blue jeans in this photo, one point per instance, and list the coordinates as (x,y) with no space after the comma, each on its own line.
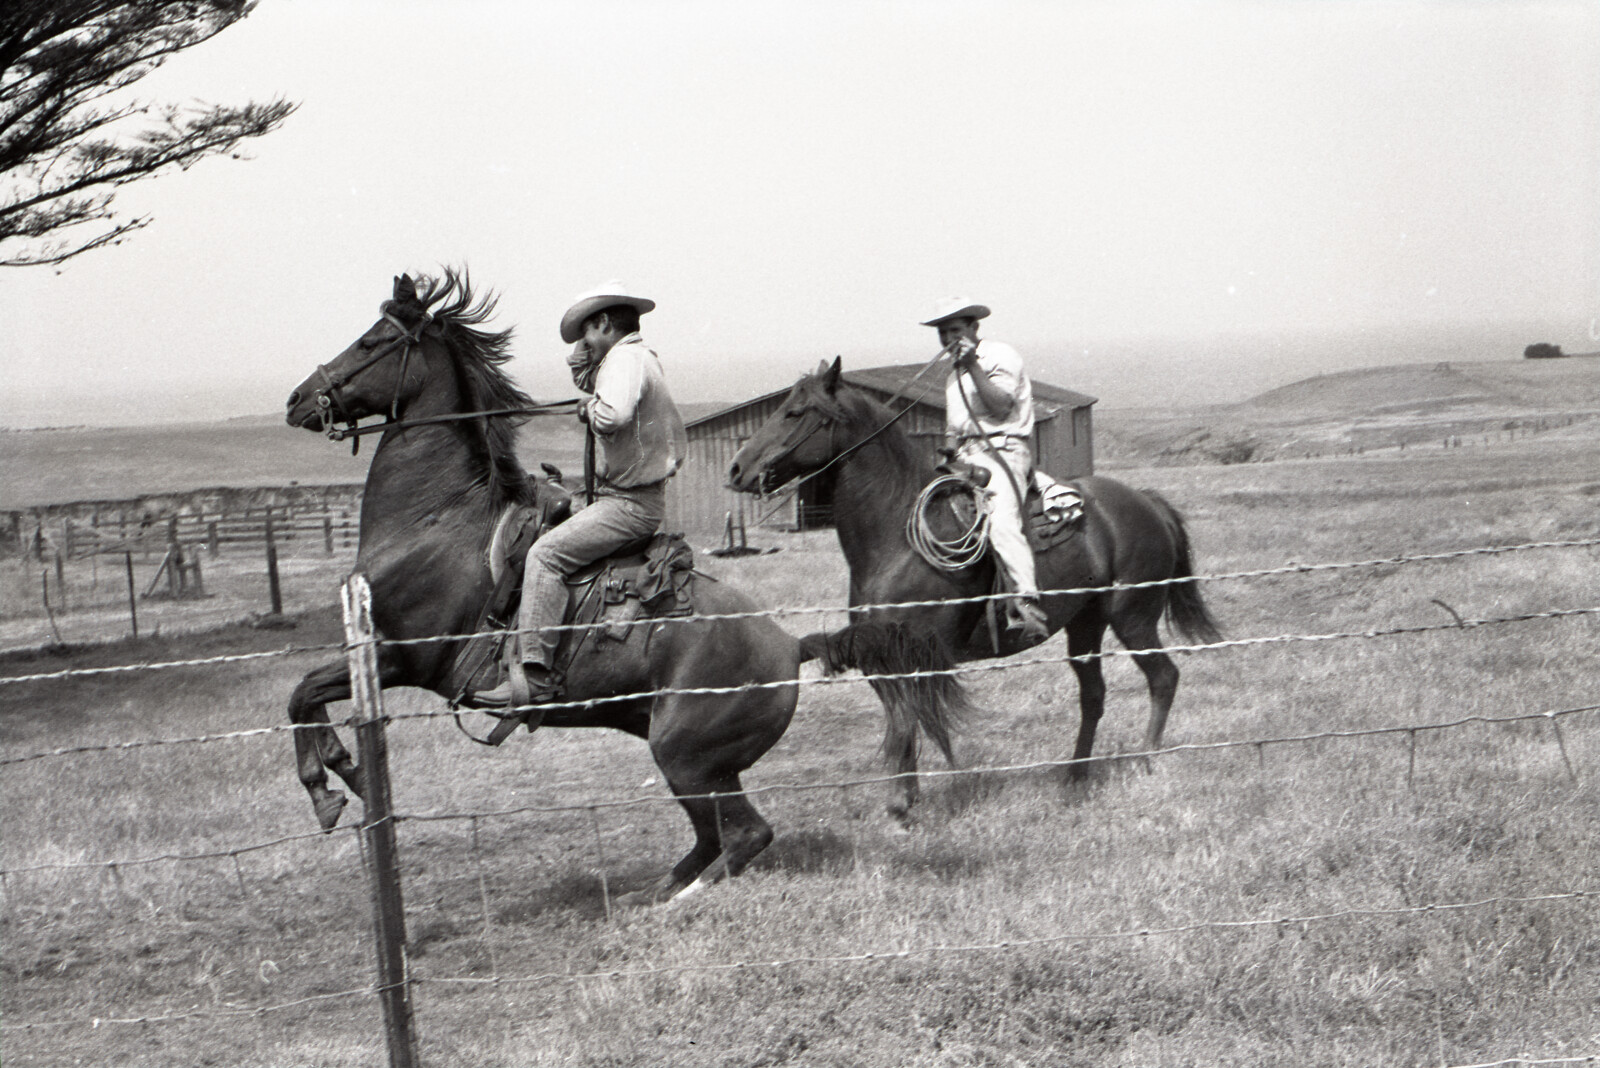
(617,517)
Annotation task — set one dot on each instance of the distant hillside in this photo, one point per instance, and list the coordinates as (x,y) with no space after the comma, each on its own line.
(1371,408)
(56,466)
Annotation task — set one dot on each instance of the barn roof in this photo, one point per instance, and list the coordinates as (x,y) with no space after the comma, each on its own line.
(895,377)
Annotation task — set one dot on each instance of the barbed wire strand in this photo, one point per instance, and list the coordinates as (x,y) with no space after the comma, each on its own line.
(1008,664)
(1038,765)
(228,1013)
(1005,664)
(164,858)
(983,598)
(592,807)
(1017,943)
(1532,1062)
(873,956)
(801,610)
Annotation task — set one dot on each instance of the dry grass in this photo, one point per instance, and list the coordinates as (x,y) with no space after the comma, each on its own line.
(1289,830)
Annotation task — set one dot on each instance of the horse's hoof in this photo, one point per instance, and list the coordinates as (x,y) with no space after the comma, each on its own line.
(328,806)
(903,821)
(638,899)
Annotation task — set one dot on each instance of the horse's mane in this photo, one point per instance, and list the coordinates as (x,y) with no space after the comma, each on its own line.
(479,357)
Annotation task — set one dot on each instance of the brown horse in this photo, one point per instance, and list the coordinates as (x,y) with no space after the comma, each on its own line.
(1128,536)
(433,493)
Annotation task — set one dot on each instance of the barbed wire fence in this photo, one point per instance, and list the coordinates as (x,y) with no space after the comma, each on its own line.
(395,978)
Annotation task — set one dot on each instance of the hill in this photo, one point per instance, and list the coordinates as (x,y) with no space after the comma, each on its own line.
(1350,411)
(1389,407)
(57,465)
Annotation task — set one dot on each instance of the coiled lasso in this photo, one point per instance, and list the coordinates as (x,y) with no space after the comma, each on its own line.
(947,554)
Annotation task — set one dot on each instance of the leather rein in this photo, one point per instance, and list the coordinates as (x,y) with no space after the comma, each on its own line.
(331,408)
(798,439)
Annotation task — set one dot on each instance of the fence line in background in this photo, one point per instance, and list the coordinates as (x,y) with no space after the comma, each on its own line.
(1458,623)
(1552,716)
(803,610)
(1004,664)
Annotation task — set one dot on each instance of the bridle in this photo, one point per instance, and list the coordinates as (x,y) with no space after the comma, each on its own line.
(797,439)
(331,408)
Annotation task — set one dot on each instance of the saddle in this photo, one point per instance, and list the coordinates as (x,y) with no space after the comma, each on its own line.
(641,582)
(1053,511)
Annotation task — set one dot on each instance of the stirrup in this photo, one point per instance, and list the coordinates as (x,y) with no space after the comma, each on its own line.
(516,707)
(1031,620)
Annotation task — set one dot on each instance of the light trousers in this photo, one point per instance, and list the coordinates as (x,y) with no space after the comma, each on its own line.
(1010,465)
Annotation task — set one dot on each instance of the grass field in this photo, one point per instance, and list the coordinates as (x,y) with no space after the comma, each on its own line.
(1472,813)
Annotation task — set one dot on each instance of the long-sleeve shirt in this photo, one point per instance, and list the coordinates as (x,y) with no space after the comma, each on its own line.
(1003,366)
(638,426)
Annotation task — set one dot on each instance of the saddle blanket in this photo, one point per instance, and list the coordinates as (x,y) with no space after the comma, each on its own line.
(1054,511)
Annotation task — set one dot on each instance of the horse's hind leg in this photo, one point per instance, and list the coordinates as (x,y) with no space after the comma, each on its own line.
(728,832)
(1084,637)
(318,747)
(1135,627)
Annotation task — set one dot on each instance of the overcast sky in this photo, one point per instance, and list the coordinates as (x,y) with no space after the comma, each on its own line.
(1161,202)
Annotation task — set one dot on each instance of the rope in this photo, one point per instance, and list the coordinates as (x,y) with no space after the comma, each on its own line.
(947,554)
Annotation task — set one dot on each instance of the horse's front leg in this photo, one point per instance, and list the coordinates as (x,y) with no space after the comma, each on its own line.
(318,747)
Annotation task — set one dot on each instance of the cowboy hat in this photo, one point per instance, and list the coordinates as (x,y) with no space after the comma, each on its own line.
(598,299)
(956,308)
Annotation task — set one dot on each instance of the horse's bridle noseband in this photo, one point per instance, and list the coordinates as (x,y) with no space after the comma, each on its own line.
(331,408)
(797,437)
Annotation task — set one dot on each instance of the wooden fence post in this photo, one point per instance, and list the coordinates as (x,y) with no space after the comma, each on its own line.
(383,858)
(272,569)
(133,599)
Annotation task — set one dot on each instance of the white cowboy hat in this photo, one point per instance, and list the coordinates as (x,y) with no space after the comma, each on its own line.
(956,308)
(601,296)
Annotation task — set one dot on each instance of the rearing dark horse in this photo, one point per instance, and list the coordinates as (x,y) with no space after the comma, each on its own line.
(1127,536)
(433,494)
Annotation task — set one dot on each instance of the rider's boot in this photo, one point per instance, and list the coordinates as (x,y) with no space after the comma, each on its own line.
(544,603)
(542,687)
(1031,620)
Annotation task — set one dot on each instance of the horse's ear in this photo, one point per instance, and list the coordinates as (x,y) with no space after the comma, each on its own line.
(830,374)
(405,290)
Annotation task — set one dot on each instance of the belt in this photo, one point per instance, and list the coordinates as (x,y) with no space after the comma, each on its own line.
(991,438)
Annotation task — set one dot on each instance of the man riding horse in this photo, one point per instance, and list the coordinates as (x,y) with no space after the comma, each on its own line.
(989,423)
(642,443)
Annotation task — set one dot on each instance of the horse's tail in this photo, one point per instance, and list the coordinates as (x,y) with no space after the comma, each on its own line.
(931,698)
(1186,609)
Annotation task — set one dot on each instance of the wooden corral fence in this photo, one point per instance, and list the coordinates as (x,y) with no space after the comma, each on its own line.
(300,519)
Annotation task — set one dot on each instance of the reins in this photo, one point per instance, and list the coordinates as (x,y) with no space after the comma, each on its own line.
(332,408)
(794,484)
(353,430)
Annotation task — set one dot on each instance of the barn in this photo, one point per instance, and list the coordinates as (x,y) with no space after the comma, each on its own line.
(699,502)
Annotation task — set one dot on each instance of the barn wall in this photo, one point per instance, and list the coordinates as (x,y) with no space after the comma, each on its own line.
(699,502)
